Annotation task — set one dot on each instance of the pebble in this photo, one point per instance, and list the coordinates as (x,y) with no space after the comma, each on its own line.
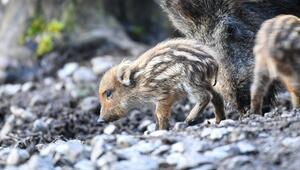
(8,126)
(102,64)
(100,146)
(67,70)
(17,156)
(178,147)
(9,89)
(245,147)
(161,150)
(39,126)
(71,150)
(126,140)
(214,133)
(39,163)
(84,75)
(291,142)
(137,163)
(106,159)
(180,126)
(158,133)
(110,129)
(21,113)
(84,165)
(144,125)
(27,86)
(222,152)
(89,104)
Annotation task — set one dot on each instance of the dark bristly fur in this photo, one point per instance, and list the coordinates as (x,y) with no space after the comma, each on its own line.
(229,28)
(277,55)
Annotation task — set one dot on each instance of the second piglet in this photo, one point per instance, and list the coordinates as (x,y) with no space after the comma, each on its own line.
(171,70)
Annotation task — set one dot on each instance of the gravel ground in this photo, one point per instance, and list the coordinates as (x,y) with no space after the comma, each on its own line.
(51,124)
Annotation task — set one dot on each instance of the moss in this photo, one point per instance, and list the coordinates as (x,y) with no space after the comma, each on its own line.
(45,44)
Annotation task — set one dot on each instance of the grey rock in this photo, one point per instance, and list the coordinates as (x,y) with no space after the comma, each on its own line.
(106,159)
(291,142)
(178,147)
(100,146)
(158,133)
(144,125)
(67,70)
(27,86)
(89,104)
(188,160)
(161,150)
(214,133)
(21,113)
(126,140)
(84,165)
(39,126)
(71,150)
(206,167)
(8,126)
(146,147)
(110,129)
(84,75)
(139,163)
(180,126)
(246,147)
(9,89)
(40,163)
(237,162)
(128,153)
(151,128)
(222,152)
(4,152)
(102,64)
(228,122)
(17,156)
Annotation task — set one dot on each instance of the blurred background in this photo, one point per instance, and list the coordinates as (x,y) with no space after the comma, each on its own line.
(38,37)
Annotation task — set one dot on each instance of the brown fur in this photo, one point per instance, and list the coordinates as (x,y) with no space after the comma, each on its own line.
(170,70)
(277,55)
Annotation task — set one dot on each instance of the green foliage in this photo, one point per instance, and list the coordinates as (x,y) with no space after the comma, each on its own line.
(45,44)
(43,33)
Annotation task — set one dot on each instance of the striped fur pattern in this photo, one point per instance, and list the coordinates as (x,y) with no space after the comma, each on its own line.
(172,69)
(277,55)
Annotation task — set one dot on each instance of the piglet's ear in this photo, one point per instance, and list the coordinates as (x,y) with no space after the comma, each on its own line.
(125,74)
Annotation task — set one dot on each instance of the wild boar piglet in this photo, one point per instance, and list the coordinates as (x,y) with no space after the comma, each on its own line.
(171,70)
(277,56)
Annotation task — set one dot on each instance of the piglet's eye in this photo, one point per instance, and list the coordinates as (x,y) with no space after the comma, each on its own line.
(107,93)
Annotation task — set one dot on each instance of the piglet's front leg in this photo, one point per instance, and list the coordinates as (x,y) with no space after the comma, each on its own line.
(163,113)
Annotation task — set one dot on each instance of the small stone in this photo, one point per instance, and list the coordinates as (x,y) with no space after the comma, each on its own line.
(291,142)
(158,133)
(128,153)
(39,126)
(110,129)
(102,64)
(21,113)
(228,122)
(9,89)
(150,128)
(136,163)
(206,167)
(67,70)
(214,133)
(100,146)
(245,147)
(27,86)
(89,104)
(17,156)
(106,159)
(84,165)
(4,152)
(8,126)
(238,162)
(180,126)
(145,147)
(126,140)
(71,150)
(222,152)
(161,150)
(144,124)
(84,75)
(178,147)
(41,163)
